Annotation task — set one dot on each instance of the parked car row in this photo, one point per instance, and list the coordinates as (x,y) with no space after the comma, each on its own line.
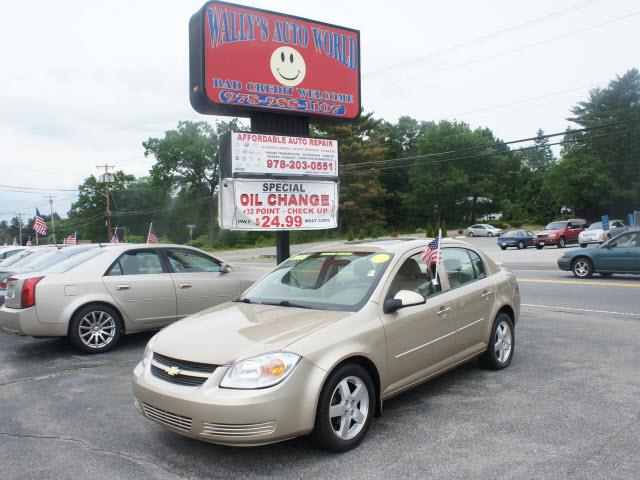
(95,293)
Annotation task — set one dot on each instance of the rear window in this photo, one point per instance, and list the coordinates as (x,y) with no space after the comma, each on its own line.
(74,261)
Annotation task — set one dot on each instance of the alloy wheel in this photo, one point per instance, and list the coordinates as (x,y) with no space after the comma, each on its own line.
(97,329)
(582,268)
(503,341)
(349,407)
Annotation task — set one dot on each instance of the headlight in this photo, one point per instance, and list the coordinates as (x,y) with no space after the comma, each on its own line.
(148,351)
(260,372)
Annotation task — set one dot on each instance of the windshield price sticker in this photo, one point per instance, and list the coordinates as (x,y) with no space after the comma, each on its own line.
(277,154)
(279,205)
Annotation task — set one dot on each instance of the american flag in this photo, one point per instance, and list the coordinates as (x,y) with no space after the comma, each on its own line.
(431,254)
(71,239)
(115,238)
(152,237)
(38,224)
(28,244)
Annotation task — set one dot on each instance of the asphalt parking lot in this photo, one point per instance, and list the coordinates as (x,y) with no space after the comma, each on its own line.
(567,407)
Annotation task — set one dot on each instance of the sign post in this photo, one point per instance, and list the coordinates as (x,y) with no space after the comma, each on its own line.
(605,223)
(282,72)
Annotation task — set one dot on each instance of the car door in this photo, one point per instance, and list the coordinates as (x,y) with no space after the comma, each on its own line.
(529,239)
(199,283)
(419,338)
(619,254)
(474,292)
(142,287)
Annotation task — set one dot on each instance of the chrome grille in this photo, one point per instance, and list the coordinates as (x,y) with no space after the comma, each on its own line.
(178,379)
(181,372)
(235,430)
(169,419)
(184,364)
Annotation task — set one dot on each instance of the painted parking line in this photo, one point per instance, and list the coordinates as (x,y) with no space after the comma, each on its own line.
(586,310)
(580,282)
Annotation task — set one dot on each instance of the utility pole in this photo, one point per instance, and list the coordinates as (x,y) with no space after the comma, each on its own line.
(106,178)
(53,221)
(20,227)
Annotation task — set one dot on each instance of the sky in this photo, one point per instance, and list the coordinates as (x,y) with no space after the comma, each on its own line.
(84,83)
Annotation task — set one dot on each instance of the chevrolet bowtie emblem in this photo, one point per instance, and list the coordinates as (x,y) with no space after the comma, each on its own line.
(173,371)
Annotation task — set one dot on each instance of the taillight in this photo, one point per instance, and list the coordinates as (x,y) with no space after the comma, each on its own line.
(28,298)
(3,284)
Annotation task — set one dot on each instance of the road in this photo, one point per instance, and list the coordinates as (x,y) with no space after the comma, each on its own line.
(567,407)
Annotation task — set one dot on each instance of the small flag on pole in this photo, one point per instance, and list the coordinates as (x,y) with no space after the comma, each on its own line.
(151,236)
(431,255)
(115,238)
(28,244)
(71,239)
(39,225)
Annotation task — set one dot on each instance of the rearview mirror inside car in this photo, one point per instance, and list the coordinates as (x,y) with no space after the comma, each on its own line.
(404,298)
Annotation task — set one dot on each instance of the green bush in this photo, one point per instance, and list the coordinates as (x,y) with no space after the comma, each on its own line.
(350,235)
(430,233)
(443,229)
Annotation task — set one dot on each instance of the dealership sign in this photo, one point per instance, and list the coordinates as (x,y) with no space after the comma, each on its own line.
(244,59)
(269,204)
(258,154)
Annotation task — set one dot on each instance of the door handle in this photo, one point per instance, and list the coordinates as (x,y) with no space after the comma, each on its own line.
(444,311)
(486,294)
(123,287)
(185,285)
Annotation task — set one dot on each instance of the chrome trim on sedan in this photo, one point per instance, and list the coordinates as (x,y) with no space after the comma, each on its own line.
(439,338)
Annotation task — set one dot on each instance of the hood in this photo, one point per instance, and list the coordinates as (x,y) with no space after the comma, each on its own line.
(233,331)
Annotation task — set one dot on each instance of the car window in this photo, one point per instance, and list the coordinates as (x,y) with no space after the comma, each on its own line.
(73,261)
(189,261)
(458,265)
(478,264)
(555,226)
(530,234)
(140,262)
(415,275)
(625,241)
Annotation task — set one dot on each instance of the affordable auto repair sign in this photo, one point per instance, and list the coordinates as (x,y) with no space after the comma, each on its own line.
(244,59)
(278,204)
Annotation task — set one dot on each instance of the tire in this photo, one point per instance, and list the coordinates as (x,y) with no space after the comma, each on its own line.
(562,242)
(324,434)
(503,248)
(498,354)
(471,234)
(539,247)
(583,245)
(520,245)
(489,234)
(582,267)
(104,338)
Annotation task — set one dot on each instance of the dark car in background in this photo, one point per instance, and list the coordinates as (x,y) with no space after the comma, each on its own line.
(516,238)
(621,254)
(560,233)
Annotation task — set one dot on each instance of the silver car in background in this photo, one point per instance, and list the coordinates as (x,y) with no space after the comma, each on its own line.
(97,295)
(595,234)
(483,230)
(6,252)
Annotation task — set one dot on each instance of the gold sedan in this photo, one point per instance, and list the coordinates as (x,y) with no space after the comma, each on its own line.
(318,344)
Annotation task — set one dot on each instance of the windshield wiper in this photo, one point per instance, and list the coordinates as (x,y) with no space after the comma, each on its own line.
(287,303)
(245,300)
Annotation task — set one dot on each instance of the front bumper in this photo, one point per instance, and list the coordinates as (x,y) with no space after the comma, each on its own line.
(228,416)
(564,263)
(24,321)
(545,241)
(591,240)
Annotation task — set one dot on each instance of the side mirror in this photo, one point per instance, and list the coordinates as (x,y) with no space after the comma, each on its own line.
(404,298)
(224,268)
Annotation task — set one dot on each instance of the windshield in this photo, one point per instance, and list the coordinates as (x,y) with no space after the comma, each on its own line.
(13,259)
(555,226)
(74,260)
(51,258)
(323,280)
(595,226)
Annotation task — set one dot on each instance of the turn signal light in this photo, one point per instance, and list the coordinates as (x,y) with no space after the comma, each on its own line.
(28,297)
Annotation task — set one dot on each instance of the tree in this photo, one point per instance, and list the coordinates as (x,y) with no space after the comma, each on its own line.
(187,161)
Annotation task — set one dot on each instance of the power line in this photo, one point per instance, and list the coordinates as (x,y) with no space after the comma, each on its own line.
(509,52)
(533,147)
(496,144)
(483,38)
(41,189)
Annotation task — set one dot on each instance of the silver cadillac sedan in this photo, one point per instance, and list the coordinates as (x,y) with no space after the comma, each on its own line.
(318,344)
(97,295)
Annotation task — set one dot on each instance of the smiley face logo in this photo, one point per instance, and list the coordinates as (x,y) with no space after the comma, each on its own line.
(287,66)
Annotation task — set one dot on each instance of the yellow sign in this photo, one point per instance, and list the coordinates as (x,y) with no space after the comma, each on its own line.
(380,258)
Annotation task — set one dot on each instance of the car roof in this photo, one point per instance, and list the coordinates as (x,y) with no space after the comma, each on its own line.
(390,245)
